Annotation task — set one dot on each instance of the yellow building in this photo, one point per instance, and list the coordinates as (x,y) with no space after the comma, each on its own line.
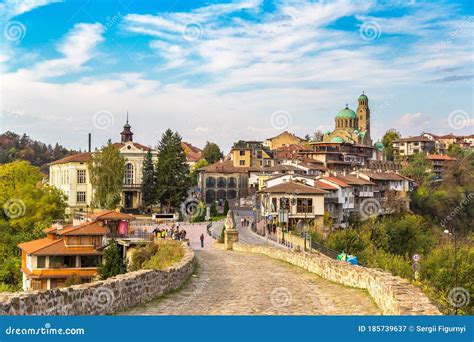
(251,154)
(283,139)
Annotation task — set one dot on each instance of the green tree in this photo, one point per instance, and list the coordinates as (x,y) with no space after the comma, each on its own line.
(387,140)
(106,171)
(418,169)
(172,171)
(113,263)
(28,207)
(148,181)
(213,209)
(211,153)
(195,170)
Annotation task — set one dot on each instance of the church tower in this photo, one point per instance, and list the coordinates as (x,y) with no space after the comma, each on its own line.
(126,134)
(363,118)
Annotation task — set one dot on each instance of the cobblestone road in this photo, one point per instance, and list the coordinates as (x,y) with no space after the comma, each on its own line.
(234,283)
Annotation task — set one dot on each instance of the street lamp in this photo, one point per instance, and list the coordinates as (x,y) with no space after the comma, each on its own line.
(456,277)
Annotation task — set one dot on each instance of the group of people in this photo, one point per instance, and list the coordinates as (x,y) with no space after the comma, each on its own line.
(173,233)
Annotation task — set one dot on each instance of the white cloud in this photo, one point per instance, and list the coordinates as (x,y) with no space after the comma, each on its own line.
(77,49)
(13,8)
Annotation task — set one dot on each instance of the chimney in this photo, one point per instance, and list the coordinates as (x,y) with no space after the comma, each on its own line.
(90,139)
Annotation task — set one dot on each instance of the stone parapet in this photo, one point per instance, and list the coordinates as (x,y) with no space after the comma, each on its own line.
(101,297)
(392,294)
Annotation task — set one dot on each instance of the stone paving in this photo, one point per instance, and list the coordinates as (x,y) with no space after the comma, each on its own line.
(234,283)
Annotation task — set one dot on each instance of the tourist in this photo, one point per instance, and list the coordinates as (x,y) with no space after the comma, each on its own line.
(155,232)
(202,240)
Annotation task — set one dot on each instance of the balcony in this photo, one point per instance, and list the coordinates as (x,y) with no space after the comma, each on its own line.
(131,186)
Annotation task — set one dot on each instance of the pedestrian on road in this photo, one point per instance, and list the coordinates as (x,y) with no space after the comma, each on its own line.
(202,240)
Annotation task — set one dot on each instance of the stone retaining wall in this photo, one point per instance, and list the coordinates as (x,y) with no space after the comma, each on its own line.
(393,295)
(101,297)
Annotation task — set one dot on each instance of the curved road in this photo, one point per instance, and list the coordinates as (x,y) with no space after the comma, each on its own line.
(234,283)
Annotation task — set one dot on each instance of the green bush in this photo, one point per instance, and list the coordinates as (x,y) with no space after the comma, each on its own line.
(141,255)
(168,253)
(113,263)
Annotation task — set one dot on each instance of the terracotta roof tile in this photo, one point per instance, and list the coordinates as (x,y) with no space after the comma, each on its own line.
(293,187)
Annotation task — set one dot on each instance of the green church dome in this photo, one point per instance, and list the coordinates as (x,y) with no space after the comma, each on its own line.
(327,132)
(379,146)
(363,97)
(337,140)
(347,113)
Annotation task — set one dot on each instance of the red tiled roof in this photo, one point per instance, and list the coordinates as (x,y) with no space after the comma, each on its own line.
(293,187)
(46,246)
(285,132)
(77,158)
(383,175)
(325,186)
(337,181)
(439,157)
(110,215)
(225,167)
(354,180)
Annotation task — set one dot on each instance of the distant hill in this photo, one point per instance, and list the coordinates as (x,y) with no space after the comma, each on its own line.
(15,147)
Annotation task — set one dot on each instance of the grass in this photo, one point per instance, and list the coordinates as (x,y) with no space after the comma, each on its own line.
(168,253)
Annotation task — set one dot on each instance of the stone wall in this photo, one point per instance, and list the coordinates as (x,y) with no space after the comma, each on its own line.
(393,295)
(101,297)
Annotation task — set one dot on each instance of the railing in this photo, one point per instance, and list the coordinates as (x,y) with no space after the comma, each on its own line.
(137,234)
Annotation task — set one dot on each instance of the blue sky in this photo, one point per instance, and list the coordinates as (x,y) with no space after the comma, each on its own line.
(229,70)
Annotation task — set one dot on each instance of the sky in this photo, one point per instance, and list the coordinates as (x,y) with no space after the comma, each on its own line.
(222,71)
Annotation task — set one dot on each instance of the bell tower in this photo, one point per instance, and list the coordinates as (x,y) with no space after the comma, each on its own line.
(363,118)
(126,134)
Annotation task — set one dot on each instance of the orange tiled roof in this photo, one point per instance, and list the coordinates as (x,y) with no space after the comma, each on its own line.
(439,157)
(354,180)
(110,215)
(46,246)
(337,181)
(293,187)
(325,186)
(86,228)
(225,167)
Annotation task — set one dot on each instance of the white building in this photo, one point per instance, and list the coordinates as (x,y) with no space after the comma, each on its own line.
(71,175)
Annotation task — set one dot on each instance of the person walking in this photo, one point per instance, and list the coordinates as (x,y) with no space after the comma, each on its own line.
(202,240)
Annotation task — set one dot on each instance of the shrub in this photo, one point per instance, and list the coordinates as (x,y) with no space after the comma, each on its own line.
(169,252)
(113,263)
(73,280)
(140,255)
(226,207)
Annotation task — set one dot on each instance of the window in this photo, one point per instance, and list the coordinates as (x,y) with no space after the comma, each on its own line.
(242,153)
(242,162)
(62,261)
(41,262)
(304,205)
(221,182)
(81,176)
(81,197)
(259,154)
(128,177)
(90,261)
(210,182)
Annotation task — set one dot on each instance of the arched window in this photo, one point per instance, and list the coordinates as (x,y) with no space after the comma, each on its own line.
(231,182)
(231,194)
(210,182)
(128,176)
(221,182)
(221,195)
(210,196)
